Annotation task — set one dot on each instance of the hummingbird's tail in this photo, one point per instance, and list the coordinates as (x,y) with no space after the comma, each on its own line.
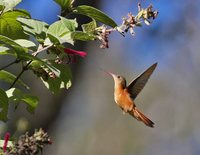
(141,117)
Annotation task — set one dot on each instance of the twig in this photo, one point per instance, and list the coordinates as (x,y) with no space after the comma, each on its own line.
(17,78)
(16,61)
(41,50)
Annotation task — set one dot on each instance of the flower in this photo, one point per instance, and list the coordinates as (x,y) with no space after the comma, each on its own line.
(6,138)
(30,145)
(103,34)
(74,52)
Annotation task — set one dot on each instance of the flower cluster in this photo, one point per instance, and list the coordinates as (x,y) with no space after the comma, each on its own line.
(30,145)
(128,24)
(102,35)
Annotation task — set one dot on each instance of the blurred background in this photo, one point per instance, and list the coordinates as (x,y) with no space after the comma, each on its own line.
(85,119)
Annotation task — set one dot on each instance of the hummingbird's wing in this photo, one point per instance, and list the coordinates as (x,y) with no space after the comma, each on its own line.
(138,83)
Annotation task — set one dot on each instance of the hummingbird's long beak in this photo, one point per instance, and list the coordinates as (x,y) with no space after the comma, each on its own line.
(109,73)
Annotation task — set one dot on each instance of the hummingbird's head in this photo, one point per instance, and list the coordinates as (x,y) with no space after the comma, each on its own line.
(119,80)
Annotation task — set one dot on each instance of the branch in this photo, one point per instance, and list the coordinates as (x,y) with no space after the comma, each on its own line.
(29,62)
(41,50)
(16,61)
(23,70)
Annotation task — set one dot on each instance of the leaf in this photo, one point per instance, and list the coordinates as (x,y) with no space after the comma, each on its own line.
(3,105)
(38,63)
(53,85)
(17,96)
(79,35)
(10,27)
(51,39)
(27,57)
(12,44)
(31,101)
(20,51)
(70,24)
(63,81)
(3,50)
(25,43)
(16,13)
(65,73)
(6,51)
(65,4)
(95,14)
(60,31)
(89,27)
(10,78)
(9,4)
(34,27)
(1,7)
(57,29)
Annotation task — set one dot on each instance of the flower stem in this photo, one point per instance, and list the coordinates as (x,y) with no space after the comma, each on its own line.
(23,70)
(16,61)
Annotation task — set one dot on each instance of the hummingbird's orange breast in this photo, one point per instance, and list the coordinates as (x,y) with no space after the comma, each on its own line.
(123,99)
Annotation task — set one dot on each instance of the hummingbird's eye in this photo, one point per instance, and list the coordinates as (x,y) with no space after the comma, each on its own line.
(118,77)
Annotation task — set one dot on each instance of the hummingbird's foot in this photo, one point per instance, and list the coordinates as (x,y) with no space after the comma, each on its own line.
(123,112)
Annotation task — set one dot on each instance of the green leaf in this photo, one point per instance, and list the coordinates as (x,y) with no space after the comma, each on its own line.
(9,4)
(57,29)
(63,81)
(65,74)
(3,105)
(79,35)
(3,50)
(13,3)
(25,43)
(34,27)
(60,31)
(52,39)
(12,44)
(70,24)
(95,14)
(7,52)
(1,7)
(89,27)
(17,96)
(16,13)
(27,57)
(10,27)
(52,84)
(65,4)
(38,63)
(20,51)
(10,78)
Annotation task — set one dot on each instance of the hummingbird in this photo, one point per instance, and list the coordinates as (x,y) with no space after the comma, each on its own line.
(124,95)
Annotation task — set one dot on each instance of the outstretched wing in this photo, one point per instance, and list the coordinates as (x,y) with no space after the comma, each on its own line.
(138,84)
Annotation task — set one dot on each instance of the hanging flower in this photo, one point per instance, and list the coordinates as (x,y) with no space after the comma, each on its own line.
(6,138)
(74,52)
